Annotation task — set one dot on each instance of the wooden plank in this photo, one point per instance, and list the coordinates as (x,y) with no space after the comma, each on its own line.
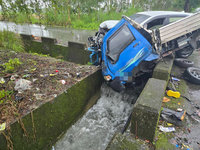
(180,31)
(170,37)
(195,17)
(180,28)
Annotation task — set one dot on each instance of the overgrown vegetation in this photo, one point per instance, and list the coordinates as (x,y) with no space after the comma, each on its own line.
(11,65)
(83,14)
(10,40)
(4,95)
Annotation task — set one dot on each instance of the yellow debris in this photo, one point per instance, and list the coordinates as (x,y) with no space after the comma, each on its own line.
(165,99)
(174,94)
(2,126)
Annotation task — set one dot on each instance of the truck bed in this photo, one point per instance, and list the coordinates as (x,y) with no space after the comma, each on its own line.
(179,28)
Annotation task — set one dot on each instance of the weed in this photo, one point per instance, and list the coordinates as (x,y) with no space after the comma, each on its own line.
(41,55)
(4,96)
(11,65)
(54,17)
(10,40)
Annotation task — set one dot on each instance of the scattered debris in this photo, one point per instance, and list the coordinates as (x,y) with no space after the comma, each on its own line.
(13,77)
(169,124)
(22,85)
(174,94)
(172,116)
(63,82)
(182,146)
(51,75)
(38,96)
(78,75)
(2,126)
(18,98)
(40,76)
(165,100)
(175,79)
(179,109)
(26,75)
(167,129)
(2,81)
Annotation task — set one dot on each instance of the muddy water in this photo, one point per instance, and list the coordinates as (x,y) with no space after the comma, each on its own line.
(63,35)
(97,127)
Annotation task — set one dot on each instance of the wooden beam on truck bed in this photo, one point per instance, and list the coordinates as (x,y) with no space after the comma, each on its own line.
(180,28)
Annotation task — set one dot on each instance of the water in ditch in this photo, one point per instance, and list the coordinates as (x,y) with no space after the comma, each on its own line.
(96,128)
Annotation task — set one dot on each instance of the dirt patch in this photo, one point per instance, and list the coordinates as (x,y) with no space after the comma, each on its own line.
(49,77)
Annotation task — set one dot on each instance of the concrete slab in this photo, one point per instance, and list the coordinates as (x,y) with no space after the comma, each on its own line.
(126,142)
(146,111)
(163,69)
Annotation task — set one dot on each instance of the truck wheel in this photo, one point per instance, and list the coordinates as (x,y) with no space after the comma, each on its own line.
(193,75)
(184,63)
(185,52)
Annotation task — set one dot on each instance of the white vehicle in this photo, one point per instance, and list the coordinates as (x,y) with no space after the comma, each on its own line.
(155,19)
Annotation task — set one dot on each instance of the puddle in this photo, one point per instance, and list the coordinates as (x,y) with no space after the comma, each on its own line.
(97,127)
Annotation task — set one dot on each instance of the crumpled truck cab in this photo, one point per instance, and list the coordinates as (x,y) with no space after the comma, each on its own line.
(125,50)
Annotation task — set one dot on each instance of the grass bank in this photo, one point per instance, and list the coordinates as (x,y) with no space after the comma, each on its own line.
(51,17)
(11,41)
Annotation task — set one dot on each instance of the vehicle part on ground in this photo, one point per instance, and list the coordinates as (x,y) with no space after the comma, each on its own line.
(185,52)
(183,63)
(172,116)
(193,75)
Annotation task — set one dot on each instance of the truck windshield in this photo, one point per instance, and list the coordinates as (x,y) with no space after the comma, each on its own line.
(139,18)
(118,42)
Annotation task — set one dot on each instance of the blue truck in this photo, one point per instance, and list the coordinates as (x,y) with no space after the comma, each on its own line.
(127,50)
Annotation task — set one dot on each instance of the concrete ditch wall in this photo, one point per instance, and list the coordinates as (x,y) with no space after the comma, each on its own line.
(55,117)
(74,52)
(146,111)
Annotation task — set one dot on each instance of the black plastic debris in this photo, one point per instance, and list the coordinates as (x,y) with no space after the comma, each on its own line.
(171,116)
(18,98)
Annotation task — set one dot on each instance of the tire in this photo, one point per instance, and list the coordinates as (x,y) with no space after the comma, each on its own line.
(185,52)
(193,75)
(183,63)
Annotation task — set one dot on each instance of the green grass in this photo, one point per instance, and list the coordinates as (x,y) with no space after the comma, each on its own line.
(177,102)
(163,142)
(11,65)
(11,41)
(51,17)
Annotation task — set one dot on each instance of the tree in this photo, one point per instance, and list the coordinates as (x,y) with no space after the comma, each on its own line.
(187,6)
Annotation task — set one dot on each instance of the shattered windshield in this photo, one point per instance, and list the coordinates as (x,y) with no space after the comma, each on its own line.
(139,18)
(118,42)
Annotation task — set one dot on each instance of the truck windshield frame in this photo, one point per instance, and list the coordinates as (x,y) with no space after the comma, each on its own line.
(121,39)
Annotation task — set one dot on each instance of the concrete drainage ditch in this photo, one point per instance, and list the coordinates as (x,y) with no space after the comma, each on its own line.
(97,127)
(101,121)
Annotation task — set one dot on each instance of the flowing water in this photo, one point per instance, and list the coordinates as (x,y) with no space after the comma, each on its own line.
(97,127)
(62,34)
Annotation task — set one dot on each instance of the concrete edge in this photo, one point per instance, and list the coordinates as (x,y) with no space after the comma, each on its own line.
(45,124)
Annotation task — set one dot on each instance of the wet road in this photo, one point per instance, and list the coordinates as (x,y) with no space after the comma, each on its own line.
(190,136)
